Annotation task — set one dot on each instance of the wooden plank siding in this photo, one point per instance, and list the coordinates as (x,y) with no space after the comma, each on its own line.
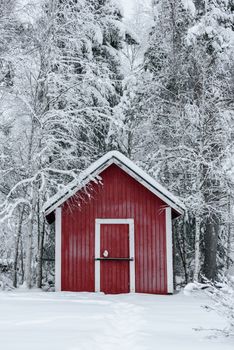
(119,196)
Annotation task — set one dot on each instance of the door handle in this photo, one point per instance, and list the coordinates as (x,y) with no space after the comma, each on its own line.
(124,259)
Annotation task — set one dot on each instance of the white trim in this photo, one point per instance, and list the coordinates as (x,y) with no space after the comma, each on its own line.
(132,255)
(98,223)
(169,248)
(73,187)
(58,246)
(97,255)
(92,172)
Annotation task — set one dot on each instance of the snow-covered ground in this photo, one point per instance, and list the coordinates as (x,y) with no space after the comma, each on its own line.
(87,321)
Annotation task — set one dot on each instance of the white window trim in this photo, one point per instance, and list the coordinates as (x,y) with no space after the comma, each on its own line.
(98,224)
(169,248)
(58,246)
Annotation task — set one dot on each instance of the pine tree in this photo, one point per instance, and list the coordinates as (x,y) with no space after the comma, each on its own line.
(187,73)
(107,55)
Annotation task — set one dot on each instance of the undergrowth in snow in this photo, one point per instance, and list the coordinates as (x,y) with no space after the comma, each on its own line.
(222,296)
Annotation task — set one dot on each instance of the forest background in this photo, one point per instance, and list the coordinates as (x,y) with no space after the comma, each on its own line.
(78,79)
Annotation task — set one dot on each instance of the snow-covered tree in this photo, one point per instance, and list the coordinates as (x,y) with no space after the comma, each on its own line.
(187,76)
(67,80)
(222,296)
(64,101)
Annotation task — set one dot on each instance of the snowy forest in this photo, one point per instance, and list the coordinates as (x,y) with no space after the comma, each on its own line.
(78,79)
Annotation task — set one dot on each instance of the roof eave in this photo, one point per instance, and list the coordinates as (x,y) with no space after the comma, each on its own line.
(93,172)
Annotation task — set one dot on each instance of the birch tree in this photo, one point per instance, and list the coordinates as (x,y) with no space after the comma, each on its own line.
(66,83)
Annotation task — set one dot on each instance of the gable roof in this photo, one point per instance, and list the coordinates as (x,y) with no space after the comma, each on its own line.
(92,174)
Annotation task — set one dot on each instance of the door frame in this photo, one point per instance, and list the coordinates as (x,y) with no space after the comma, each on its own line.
(130,223)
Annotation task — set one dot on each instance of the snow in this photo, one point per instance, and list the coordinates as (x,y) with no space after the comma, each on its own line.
(127,7)
(95,168)
(98,36)
(28,10)
(189,6)
(189,288)
(85,321)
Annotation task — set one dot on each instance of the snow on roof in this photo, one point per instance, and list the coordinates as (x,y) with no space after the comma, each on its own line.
(92,172)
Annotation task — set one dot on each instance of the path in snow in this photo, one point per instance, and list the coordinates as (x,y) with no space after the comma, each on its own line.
(121,329)
(87,321)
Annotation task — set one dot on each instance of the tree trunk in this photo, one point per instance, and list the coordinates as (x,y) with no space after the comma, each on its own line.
(17,249)
(197,248)
(28,268)
(180,241)
(40,255)
(22,259)
(211,241)
(184,249)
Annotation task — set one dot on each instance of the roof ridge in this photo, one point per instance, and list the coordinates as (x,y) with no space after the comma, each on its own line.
(86,176)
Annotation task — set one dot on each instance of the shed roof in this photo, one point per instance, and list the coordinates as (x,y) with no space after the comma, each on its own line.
(93,171)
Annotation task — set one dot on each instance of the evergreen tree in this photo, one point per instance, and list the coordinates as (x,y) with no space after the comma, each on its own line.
(107,54)
(187,73)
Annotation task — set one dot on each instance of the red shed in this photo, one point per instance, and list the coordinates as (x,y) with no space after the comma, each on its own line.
(114,230)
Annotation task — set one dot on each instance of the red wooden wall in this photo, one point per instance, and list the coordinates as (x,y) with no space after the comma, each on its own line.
(120,196)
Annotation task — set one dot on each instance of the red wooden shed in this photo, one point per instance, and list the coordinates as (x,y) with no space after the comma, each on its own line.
(114,230)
